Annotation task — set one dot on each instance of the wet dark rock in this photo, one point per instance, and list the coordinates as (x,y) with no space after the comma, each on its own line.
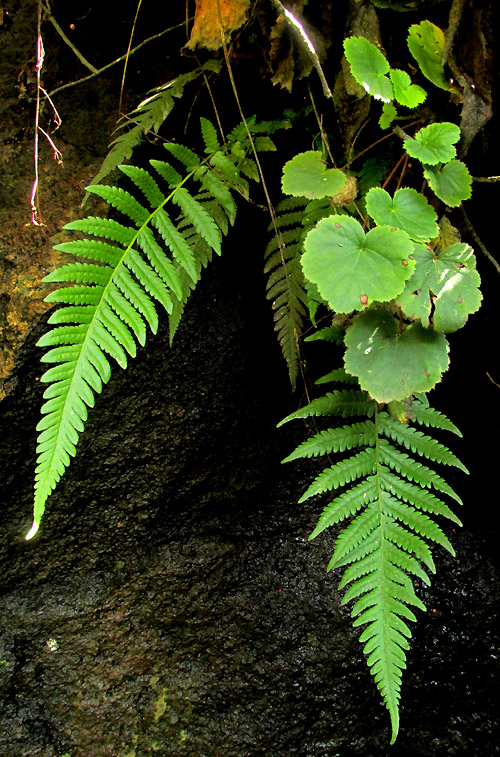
(171,603)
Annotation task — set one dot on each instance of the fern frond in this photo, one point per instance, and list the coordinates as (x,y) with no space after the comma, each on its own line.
(146,259)
(391,520)
(285,285)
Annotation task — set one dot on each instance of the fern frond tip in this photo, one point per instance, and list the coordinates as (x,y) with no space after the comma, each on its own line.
(31,533)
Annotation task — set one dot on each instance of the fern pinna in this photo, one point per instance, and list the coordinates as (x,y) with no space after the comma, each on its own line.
(148,258)
(391,505)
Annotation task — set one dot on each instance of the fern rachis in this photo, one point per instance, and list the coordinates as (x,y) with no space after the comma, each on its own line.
(391,507)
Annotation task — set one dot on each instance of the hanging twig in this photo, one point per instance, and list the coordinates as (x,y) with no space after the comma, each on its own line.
(114,62)
(486,179)
(454,19)
(40,54)
(127,56)
(493,380)
(298,28)
(39,63)
(48,12)
(478,241)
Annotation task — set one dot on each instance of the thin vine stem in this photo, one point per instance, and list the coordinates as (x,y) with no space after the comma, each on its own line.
(127,56)
(101,70)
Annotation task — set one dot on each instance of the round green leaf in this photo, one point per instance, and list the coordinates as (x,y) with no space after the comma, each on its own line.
(369,67)
(306,175)
(407,94)
(426,43)
(449,281)
(351,269)
(434,143)
(408,210)
(451,182)
(389,365)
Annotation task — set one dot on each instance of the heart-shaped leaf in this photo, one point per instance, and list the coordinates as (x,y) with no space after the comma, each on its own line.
(352,269)
(434,143)
(407,94)
(306,175)
(449,281)
(369,67)
(392,365)
(426,43)
(451,182)
(408,210)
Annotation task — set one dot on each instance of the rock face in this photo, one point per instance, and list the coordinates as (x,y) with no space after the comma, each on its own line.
(171,603)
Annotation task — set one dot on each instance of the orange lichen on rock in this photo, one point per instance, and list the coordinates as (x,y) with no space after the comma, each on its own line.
(207,30)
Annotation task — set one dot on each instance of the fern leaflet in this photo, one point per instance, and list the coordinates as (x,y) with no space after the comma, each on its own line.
(391,513)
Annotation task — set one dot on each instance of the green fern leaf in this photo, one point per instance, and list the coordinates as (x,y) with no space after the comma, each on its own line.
(339,375)
(428,416)
(209,133)
(136,295)
(347,504)
(76,295)
(417,442)
(219,190)
(103,227)
(414,471)
(92,249)
(285,286)
(146,183)
(415,520)
(122,201)
(342,473)
(344,402)
(184,155)
(384,546)
(82,314)
(180,248)
(336,440)
(421,498)
(409,542)
(83,273)
(332,334)
(198,216)
(167,172)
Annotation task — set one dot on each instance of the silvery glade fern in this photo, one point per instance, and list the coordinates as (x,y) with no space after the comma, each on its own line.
(389,498)
(154,256)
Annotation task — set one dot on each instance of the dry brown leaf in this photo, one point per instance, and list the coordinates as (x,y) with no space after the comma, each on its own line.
(206,30)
